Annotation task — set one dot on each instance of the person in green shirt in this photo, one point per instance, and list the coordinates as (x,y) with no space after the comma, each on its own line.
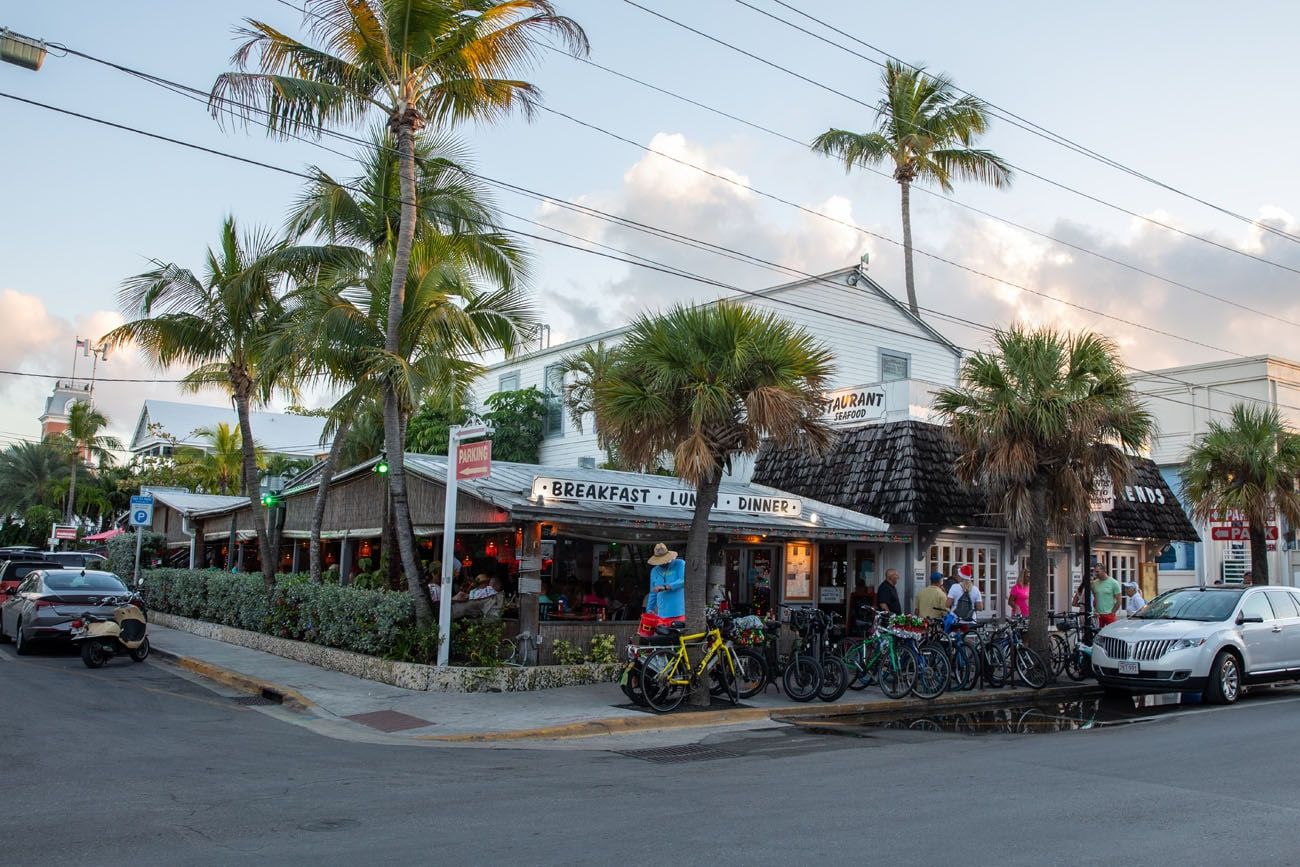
(1106,596)
(932,601)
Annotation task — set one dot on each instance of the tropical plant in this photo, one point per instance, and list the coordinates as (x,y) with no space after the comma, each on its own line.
(581,369)
(1040,422)
(220,325)
(278,468)
(926,130)
(1250,465)
(218,466)
(30,475)
(428,431)
(708,384)
(413,61)
(518,419)
(84,440)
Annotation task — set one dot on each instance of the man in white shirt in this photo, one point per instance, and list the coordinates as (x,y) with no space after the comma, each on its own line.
(964,597)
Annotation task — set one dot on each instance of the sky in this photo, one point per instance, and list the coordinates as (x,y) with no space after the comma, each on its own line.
(1186,92)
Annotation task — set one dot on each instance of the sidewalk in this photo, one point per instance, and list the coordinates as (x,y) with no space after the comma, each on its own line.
(578,711)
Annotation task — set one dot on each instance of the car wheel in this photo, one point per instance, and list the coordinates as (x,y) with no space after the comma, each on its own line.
(21,646)
(1225,679)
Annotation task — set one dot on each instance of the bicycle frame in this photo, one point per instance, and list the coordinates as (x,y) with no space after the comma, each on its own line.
(716,646)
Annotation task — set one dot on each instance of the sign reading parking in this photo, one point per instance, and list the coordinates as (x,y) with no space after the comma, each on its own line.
(142,511)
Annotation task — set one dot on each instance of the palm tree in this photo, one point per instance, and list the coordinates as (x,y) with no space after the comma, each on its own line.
(221,325)
(1250,465)
(85,440)
(413,61)
(451,312)
(926,130)
(31,475)
(1039,422)
(582,370)
(219,466)
(707,384)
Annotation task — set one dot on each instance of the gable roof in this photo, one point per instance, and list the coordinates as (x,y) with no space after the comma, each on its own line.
(275,432)
(903,472)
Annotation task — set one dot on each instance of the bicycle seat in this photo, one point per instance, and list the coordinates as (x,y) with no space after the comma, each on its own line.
(670,629)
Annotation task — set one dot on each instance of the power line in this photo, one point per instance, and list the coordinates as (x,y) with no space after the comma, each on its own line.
(1073,190)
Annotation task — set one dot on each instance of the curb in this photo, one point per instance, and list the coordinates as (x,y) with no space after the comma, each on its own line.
(787,713)
(235,680)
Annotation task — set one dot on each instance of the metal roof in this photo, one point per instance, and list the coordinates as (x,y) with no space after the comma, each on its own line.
(193,504)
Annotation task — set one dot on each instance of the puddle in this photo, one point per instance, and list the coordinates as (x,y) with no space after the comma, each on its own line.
(1028,718)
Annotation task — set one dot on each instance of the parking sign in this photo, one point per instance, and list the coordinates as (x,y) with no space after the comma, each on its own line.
(142,511)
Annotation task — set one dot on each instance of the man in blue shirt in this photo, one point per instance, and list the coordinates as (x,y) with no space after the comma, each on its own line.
(667,583)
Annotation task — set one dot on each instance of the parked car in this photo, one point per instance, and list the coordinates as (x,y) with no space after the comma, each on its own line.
(1212,640)
(78,559)
(49,599)
(12,572)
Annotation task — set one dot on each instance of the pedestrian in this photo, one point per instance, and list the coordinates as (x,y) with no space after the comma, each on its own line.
(1133,601)
(887,593)
(1018,596)
(953,579)
(932,601)
(667,583)
(1106,595)
(964,599)
(1247,579)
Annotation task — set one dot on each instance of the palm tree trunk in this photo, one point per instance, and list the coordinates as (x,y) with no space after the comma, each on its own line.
(697,569)
(1038,578)
(322,496)
(401,506)
(1258,553)
(72,491)
(908,278)
(253,489)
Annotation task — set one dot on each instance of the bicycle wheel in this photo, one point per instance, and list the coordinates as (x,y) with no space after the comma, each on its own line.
(1030,668)
(802,678)
(657,674)
(855,657)
(751,672)
(1060,654)
(997,666)
(835,678)
(897,673)
(723,676)
(931,673)
(1076,667)
(630,683)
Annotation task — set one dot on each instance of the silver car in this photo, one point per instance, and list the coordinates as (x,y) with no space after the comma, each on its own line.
(1211,640)
(43,607)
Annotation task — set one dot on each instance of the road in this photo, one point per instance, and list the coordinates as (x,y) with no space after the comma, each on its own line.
(135,764)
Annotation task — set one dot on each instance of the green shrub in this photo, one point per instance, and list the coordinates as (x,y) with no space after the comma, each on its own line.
(565,652)
(476,641)
(602,649)
(413,644)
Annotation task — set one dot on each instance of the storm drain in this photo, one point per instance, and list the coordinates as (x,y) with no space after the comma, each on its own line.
(253,700)
(676,755)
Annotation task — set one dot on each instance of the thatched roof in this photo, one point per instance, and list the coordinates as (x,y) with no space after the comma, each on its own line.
(903,472)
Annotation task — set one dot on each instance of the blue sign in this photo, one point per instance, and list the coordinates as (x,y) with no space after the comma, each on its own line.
(142,511)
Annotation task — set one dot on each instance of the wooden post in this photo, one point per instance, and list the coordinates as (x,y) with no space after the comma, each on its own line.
(345,558)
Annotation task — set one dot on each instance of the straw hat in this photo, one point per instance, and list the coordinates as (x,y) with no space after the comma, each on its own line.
(662,555)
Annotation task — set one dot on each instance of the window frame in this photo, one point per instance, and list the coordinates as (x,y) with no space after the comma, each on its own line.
(512,375)
(894,354)
(554,402)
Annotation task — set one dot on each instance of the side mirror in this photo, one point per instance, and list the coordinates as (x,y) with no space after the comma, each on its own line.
(1242,618)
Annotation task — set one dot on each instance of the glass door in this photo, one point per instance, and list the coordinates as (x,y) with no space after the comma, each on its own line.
(759,574)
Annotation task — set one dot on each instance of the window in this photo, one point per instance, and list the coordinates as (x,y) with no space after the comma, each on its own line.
(1120,565)
(553,387)
(1053,575)
(984,561)
(508,381)
(1256,605)
(1283,604)
(894,366)
(70,580)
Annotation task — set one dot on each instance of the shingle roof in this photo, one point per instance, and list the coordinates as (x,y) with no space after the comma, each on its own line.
(903,472)
(280,433)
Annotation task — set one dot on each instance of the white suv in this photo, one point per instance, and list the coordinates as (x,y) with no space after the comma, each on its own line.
(1216,641)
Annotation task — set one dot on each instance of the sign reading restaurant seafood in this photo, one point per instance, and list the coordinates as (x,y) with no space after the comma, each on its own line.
(847,406)
(581,491)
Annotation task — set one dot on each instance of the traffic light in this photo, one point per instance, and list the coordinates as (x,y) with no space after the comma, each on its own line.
(381,467)
(270,499)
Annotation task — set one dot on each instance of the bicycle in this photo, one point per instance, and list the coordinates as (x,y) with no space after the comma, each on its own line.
(812,628)
(1068,653)
(883,659)
(667,675)
(1007,658)
(960,651)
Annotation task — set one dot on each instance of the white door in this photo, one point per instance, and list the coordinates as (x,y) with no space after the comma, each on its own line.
(1265,639)
(1287,612)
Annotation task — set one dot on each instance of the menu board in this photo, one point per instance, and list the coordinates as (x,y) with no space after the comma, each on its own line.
(798,573)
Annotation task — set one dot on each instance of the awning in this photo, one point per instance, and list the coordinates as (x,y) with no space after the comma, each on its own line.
(104,536)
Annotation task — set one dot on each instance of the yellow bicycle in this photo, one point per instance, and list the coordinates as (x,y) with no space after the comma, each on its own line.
(668,675)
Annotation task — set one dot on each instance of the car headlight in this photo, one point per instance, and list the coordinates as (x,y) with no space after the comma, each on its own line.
(1187,643)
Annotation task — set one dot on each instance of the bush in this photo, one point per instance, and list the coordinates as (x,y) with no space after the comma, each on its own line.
(602,649)
(565,653)
(121,552)
(476,641)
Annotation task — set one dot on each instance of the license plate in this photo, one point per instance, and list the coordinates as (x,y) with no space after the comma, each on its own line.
(1128,668)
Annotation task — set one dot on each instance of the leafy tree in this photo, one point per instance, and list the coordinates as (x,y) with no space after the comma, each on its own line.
(925,129)
(519,419)
(708,384)
(413,61)
(430,426)
(217,468)
(1040,421)
(30,475)
(1250,465)
(85,440)
(581,369)
(219,325)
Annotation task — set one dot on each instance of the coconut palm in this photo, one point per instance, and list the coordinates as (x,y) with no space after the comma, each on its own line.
(1039,422)
(582,370)
(413,62)
(220,324)
(451,312)
(707,384)
(1250,465)
(31,475)
(218,466)
(925,129)
(84,440)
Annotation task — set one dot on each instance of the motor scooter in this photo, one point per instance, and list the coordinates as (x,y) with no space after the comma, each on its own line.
(102,638)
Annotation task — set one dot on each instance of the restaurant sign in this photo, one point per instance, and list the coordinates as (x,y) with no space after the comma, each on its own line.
(617,494)
(850,406)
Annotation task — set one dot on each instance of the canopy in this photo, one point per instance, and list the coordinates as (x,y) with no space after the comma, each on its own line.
(104,536)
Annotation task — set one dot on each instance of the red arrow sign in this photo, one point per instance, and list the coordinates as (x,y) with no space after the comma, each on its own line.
(1240,534)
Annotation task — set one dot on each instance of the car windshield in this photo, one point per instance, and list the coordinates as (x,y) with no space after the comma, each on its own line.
(84,581)
(1191,604)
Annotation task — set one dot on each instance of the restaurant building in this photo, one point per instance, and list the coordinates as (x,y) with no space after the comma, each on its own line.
(904,473)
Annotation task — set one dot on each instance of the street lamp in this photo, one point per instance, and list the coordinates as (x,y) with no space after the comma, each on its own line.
(21,50)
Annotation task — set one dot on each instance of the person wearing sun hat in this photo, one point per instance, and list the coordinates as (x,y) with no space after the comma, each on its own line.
(667,583)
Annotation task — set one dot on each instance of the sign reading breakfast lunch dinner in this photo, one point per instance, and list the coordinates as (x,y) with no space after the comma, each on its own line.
(581,491)
(849,406)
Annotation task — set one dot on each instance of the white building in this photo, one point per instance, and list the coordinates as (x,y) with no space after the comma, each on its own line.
(165,425)
(880,348)
(1184,400)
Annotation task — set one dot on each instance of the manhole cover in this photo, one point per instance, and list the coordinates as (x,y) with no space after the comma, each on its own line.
(253,699)
(389,720)
(683,753)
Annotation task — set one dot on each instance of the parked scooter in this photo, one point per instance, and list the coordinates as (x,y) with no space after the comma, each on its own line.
(102,638)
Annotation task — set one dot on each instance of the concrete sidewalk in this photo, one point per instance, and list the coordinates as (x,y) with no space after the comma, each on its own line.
(569,712)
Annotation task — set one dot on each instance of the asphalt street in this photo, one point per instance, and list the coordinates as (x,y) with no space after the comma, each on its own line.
(135,764)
